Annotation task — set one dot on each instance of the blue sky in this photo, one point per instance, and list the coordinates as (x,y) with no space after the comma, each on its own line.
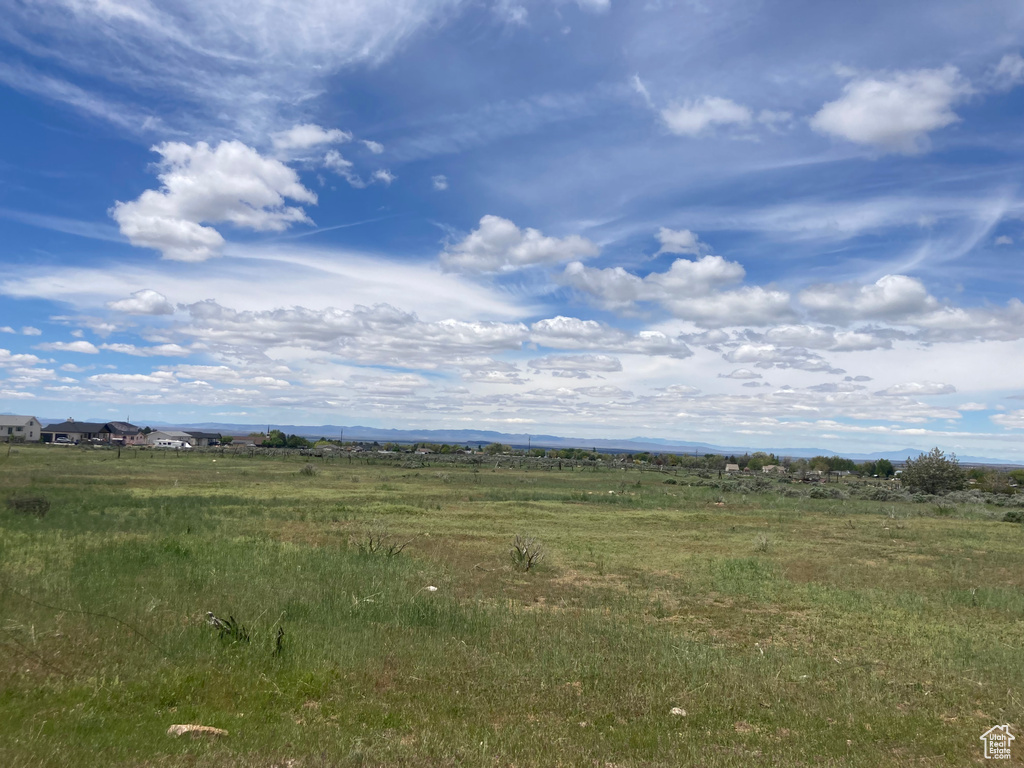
(772,224)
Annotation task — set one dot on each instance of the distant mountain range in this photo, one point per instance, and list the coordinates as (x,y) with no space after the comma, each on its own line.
(523,440)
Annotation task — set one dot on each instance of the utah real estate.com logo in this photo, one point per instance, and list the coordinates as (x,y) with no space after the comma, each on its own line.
(997,742)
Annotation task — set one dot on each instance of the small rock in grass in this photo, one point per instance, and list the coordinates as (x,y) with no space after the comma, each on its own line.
(195,730)
(431,589)
(678,711)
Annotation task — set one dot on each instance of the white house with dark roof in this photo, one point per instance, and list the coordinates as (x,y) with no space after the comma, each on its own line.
(113,432)
(19,429)
(72,431)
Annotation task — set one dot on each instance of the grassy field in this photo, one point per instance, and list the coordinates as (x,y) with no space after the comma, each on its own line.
(784,631)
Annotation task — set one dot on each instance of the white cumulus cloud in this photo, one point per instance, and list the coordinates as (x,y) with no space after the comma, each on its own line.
(680,241)
(85,347)
(1009,420)
(892,298)
(307,135)
(740,373)
(572,333)
(8,358)
(231,184)
(689,289)
(498,245)
(144,302)
(617,288)
(159,350)
(894,112)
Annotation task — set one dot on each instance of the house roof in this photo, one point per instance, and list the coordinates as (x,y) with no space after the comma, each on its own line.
(122,428)
(203,435)
(9,420)
(174,434)
(82,427)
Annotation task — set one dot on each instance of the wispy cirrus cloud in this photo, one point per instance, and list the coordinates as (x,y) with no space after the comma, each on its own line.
(242,70)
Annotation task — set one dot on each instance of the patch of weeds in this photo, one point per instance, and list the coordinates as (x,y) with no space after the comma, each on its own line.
(279,642)
(525,552)
(29,505)
(761,484)
(671,481)
(763,543)
(309,470)
(228,629)
(747,577)
(1014,516)
(377,540)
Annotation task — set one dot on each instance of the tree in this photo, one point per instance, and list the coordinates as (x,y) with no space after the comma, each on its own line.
(820,464)
(227,439)
(934,473)
(884,468)
(760,460)
(275,439)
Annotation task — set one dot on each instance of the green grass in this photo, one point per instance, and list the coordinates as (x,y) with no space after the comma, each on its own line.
(792,630)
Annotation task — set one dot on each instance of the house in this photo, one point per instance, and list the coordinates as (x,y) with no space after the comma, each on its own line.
(72,431)
(248,441)
(123,433)
(732,467)
(19,429)
(769,469)
(194,437)
(203,439)
(169,434)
